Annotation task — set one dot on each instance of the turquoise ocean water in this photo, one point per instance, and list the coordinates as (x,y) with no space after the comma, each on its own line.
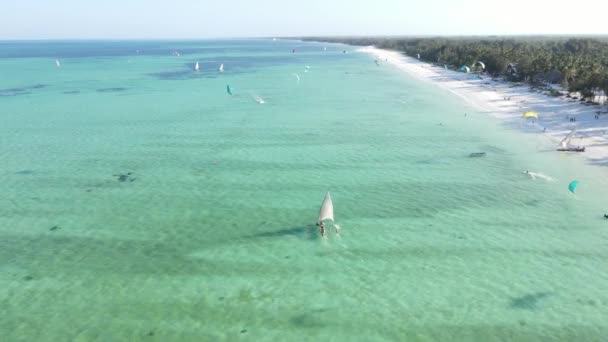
(140,201)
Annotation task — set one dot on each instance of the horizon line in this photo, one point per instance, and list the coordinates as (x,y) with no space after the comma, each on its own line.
(298,37)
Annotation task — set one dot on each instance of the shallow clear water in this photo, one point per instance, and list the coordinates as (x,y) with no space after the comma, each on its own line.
(141,202)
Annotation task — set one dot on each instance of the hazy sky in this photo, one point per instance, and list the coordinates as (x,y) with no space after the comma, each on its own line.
(115,19)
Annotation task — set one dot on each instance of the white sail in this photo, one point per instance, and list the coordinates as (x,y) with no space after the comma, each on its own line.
(258,99)
(196,67)
(221,69)
(566,142)
(297,77)
(57,63)
(327,209)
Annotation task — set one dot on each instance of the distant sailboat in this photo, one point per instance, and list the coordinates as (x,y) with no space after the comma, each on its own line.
(57,63)
(196,67)
(297,77)
(327,209)
(566,146)
(221,69)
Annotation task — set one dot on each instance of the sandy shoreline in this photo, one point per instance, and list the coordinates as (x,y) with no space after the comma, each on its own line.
(508,102)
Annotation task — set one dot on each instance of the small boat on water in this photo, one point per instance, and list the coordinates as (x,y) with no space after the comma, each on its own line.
(566,145)
(326,213)
(197,67)
(221,69)
(327,209)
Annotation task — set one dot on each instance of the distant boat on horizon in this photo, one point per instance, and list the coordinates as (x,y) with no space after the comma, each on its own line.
(196,67)
(221,69)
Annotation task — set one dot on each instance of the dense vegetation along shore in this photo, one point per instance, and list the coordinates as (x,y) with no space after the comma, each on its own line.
(578,64)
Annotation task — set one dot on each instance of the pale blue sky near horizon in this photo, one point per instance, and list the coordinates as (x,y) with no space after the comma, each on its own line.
(192,19)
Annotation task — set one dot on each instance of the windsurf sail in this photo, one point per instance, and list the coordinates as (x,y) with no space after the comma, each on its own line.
(221,69)
(566,142)
(327,209)
(57,63)
(229,89)
(196,67)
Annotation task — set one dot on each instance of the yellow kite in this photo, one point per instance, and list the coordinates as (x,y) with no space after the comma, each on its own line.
(530,114)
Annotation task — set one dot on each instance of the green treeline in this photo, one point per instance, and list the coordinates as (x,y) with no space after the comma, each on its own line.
(579,64)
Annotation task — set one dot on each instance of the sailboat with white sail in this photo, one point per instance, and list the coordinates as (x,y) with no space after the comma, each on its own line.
(197,67)
(326,213)
(567,146)
(221,69)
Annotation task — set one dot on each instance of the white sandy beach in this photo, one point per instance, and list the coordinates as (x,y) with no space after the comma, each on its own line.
(508,102)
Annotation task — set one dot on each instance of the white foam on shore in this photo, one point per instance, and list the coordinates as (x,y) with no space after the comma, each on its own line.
(487,95)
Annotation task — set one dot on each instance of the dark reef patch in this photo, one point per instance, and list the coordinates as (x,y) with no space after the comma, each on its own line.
(21,91)
(125,177)
(111,90)
(529,301)
(182,75)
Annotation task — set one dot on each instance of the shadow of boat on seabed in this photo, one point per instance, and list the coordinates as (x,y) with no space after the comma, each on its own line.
(308,232)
